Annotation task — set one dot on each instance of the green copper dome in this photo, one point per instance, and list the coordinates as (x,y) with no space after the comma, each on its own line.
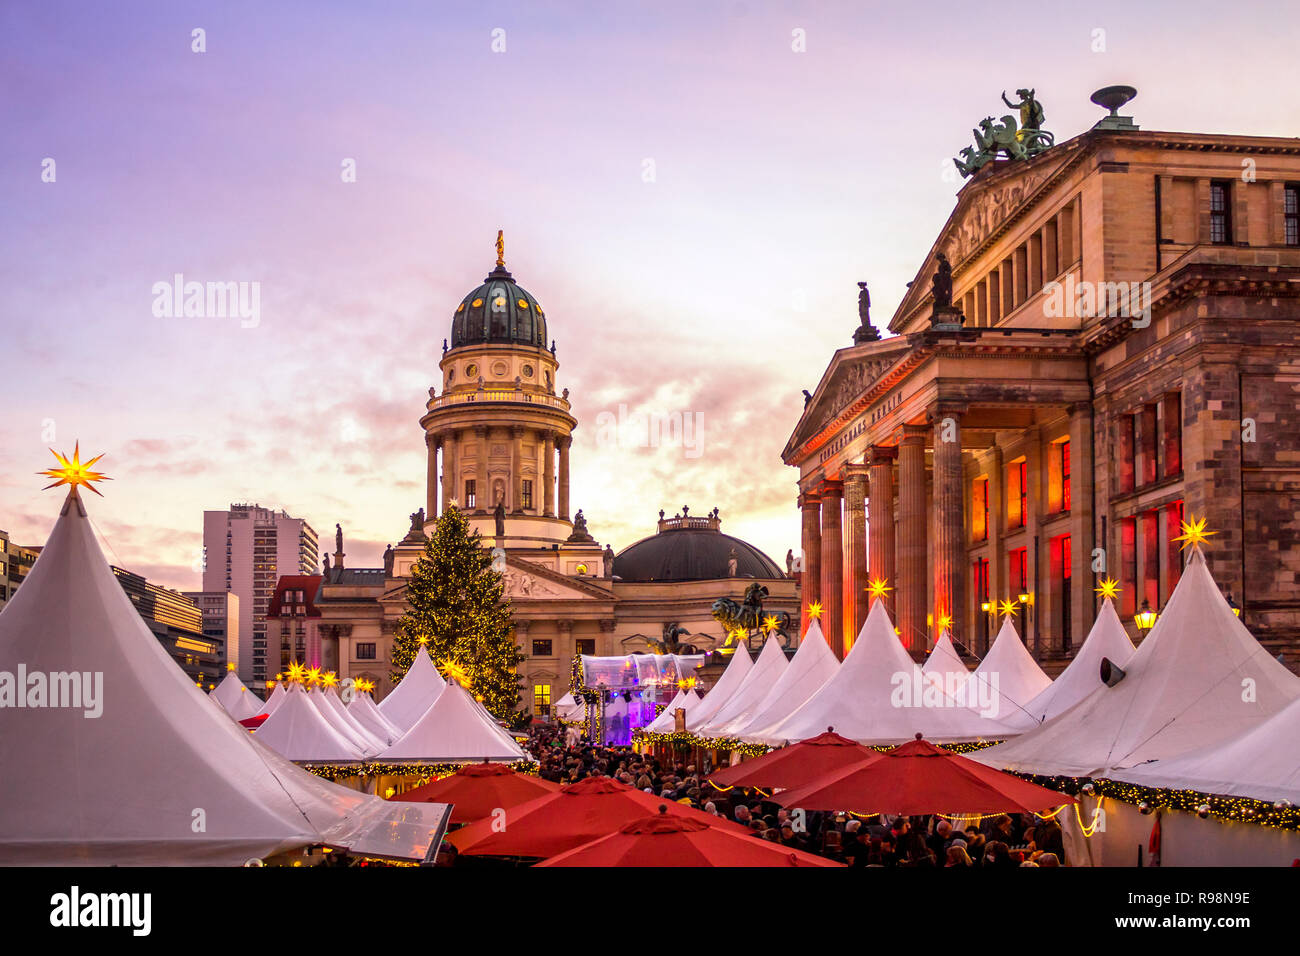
(499,311)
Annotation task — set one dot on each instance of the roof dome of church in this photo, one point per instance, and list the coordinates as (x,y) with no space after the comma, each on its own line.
(692,549)
(500,311)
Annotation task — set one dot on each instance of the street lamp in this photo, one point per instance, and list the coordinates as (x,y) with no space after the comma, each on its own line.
(1233,604)
(1145,619)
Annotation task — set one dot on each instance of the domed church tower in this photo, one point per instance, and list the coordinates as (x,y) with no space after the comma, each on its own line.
(498,423)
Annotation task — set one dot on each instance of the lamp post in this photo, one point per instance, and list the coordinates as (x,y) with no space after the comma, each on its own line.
(1145,619)
(1233,604)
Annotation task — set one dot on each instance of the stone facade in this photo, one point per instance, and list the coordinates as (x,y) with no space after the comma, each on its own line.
(1128,358)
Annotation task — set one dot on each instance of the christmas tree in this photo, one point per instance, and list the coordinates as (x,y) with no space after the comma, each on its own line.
(456,609)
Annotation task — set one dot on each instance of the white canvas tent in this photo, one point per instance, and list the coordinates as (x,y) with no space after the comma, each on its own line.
(944,665)
(732,677)
(122,787)
(880,697)
(1262,763)
(456,729)
(666,722)
(363,709)
(753,690)
(274,699)
(336,715)
(570,710)
(299,731)
(1107,639)
(1198,679)
(237,700)
(810,668)
(1011,676)
(415,692)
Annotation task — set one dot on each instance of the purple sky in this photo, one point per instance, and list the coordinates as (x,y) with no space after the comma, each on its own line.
(720,288)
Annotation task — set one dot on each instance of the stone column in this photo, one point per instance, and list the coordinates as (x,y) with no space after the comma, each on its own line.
(431,444)
(516,468)
(810,582)
(482,493)
(1081,523)
(855,552)
(881,541)
(949,523)
(563,442)
(548,475)
(606,646)
(449,489)
(832,589)
(912,588)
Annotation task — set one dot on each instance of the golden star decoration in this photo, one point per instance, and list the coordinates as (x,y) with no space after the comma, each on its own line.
(297,673)
(330,679)
(877,588)
(1109,588)
(230,665)
(1194,533)
(423,639)
(313,676)
(453,671)
(74,473)
(770,623)
(945,621)
(815,609)
(1008,607)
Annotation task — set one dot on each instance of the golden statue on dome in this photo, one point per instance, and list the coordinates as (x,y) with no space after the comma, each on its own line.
(501,249)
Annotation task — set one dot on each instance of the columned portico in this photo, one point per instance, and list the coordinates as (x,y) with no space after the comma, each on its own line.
(949,524)
(810,576)
(832,589)
(855,552)
(911,588)
(881,541)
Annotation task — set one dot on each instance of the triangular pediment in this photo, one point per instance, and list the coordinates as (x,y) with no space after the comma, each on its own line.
(988,204)
(851,373)
(526,581)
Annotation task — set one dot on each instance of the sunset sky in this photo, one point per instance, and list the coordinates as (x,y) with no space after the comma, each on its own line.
(720,288)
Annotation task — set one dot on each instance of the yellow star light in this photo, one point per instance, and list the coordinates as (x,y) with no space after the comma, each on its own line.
(815,609)
(330,679)
(423,639)
(230,665)
(770,623)
(1109,588)
(945,621)
(877,589)
(313,676)
(686,683)
(453,671)
(297,673)
(1008,607)
(1194,533)
(73,472)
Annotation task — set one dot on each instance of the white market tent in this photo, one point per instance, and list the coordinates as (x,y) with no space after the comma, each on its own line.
(568,709)
(456,729)
(666,722)
(753,690)
(810,668)
(1263,763)
(945,666)
(120,785)
(236,699)
(299,731)
(336,715)
(732,677)
(1009,677)
(274,700)
(366,712)
(1199,678)
(415,693)
(880,697)
(1107,639)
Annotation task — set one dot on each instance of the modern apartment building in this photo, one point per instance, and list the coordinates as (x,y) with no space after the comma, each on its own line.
(220,619)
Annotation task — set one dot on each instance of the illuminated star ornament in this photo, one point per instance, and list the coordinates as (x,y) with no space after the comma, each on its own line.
(297,673)
(1109,588)
(453,671)
(313,676)
(1194,533)
(73,472)
(877,589)
(330,679)
(1009,607)
(770,623)
(815,609)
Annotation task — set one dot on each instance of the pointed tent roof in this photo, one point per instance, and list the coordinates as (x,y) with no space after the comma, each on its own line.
(767,670)
(1183,690)
(337,716)
(1010,676)
(299,731)
(274,700)
(414,694)
(665,723)
(363,708)
(732,677)
(121,788)
(455,729)
(944,661)
(1083,675)
(878,697)
(237,700)
(566,708)
(810,668)
(1263,763)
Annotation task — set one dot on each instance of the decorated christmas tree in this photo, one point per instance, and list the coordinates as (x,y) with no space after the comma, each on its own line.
(456,609)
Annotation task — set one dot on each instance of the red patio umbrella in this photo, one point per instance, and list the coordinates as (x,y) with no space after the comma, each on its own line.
(796,764)
(664,840)
(477,790)
(917,778)
(576,814)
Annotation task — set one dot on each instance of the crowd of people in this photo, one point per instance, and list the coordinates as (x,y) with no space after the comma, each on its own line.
(998,841)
